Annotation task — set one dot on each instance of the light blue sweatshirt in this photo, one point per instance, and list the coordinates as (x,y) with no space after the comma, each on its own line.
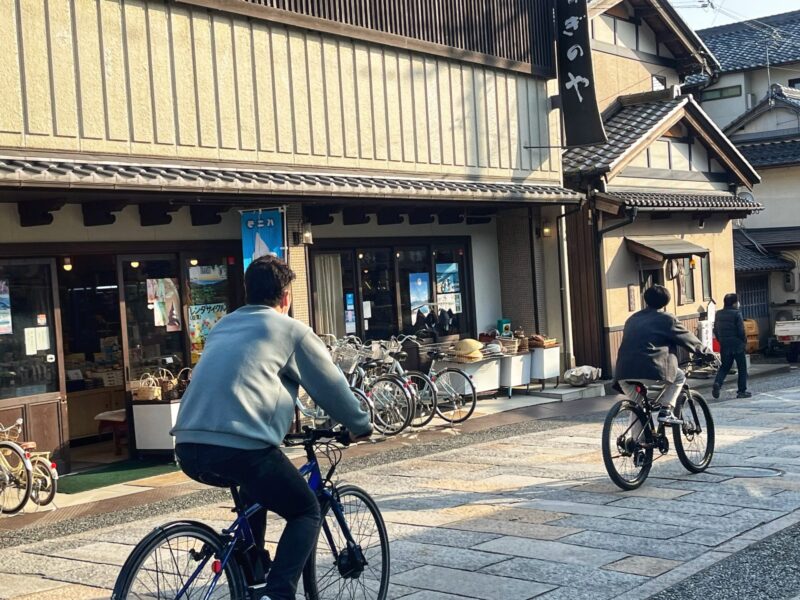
(243,389)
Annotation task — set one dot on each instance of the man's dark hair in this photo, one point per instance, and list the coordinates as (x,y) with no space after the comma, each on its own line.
(266,279)
(730,300)
(657,297)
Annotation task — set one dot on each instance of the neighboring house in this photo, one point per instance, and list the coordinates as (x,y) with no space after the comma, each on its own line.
(132,133)
(755,98)
(661,193)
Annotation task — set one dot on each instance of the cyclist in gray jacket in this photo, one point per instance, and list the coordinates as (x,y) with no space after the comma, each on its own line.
(240,405)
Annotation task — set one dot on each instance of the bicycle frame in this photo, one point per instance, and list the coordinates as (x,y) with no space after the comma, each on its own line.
(241,534)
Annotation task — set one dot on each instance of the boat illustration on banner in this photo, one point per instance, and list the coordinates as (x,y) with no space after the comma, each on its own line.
(261,248)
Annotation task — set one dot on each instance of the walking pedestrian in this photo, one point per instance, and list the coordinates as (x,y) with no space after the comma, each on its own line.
(729,331)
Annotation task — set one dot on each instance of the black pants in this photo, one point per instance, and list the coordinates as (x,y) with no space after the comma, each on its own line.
(727,363)
(270,479)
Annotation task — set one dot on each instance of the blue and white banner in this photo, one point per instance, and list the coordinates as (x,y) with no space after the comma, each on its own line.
(262,234)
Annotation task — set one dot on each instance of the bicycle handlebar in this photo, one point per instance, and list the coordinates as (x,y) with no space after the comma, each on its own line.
(312,436)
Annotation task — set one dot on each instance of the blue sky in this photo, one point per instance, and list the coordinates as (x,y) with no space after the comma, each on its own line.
(738,10)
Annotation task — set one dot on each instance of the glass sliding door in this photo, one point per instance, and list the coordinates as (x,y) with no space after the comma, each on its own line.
(378,287)
(452,288)
(153,328)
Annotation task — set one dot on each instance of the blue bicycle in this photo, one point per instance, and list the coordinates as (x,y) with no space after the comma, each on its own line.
(186,560)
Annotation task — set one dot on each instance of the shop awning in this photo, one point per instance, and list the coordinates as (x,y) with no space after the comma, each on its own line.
(664,248)
(244,181)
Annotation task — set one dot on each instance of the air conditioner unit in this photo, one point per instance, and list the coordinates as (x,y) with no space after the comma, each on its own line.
(790,281)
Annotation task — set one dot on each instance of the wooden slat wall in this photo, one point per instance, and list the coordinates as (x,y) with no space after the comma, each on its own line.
(518,30)
(586,315)
(615,339)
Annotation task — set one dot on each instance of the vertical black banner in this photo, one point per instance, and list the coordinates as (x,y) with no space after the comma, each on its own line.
(582,123)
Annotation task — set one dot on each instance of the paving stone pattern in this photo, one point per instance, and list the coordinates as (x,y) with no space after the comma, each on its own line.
(533,516)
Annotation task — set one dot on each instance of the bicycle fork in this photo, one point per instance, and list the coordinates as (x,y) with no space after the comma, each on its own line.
(350,560)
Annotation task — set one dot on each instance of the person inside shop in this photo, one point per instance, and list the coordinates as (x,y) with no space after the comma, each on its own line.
(648,353)
(729,331)
(240,405)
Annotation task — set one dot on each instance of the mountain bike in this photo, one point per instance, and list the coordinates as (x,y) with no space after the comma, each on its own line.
(186,560)
(631,434)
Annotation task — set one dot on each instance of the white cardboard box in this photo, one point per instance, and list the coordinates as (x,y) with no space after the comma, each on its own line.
(515,370)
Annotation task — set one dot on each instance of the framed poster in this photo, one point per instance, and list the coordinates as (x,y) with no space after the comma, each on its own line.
(349,313)
(447,278)
(262,234)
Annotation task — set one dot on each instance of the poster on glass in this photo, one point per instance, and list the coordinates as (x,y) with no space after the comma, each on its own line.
(448,287)
(163,296)
(349,313)
(419,293)
(5,308)
(262,234)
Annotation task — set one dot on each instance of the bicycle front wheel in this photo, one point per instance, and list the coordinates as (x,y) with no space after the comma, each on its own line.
(455,395)
(44,487)
(694,439)
(425,397)
(392,404)
(177,561)
(15,478)
(339,570)
(627,445)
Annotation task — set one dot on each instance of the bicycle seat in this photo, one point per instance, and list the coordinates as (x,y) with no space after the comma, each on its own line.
(401,356)
(27,445)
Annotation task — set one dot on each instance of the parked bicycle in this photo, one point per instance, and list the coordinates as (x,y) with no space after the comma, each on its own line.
(33,476)
(188,559)
(631,434)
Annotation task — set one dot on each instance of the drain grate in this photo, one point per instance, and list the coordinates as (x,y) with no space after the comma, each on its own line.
(748,472)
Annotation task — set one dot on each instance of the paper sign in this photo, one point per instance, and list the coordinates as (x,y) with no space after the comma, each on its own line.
(41,320)
(163,296)
(5,308)
(30,341)
(42,338)
(366,309)
(450,302)
(202,318)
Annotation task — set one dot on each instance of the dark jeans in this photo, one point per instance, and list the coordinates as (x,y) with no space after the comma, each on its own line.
(727,363)
(269,478)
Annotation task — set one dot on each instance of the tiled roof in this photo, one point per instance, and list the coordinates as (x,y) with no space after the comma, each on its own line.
(743,45)
(748,259)
(624,129)
(776,236)
(772,153)
(181,178)
(686,200)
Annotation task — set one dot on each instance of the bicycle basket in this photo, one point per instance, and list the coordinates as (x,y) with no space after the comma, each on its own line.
(346,357)
(12,435)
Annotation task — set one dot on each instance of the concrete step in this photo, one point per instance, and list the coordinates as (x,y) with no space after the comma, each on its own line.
(567,393)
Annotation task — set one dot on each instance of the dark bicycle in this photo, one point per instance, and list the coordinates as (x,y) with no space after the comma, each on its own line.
(190,560)
(631,434)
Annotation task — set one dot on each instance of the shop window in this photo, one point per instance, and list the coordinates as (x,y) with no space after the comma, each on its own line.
(379,303)
(27,330)
(705,268)
(334,296)
(753,296)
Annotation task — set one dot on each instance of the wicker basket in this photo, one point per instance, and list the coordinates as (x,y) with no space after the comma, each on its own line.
(510,345)
(183,378)
(168,383)
(148,388)
(346,357)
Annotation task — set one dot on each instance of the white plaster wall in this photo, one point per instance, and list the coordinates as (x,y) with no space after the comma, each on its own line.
(779,192)
(726,110)
(485,262)
(780,118)
(68,226)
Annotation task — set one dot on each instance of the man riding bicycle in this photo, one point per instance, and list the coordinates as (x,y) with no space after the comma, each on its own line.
(240,405)
(648,353)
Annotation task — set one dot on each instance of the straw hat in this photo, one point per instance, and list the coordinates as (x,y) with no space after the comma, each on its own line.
(468,348)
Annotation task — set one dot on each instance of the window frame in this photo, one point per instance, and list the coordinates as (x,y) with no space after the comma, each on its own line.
(721,93)
(794,83)
(705,277)
(688,291)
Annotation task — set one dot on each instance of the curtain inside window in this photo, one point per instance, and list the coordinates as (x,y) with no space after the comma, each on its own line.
(329,295)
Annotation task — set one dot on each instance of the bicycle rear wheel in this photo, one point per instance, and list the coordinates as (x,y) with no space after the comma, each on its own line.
(44,487)
(392,404)
(334,570)
(15,478)
(694,439)
(178,558)
(624,431)
(455,395)
(425,408)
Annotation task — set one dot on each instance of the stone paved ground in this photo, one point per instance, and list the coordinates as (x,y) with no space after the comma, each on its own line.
(518,518)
